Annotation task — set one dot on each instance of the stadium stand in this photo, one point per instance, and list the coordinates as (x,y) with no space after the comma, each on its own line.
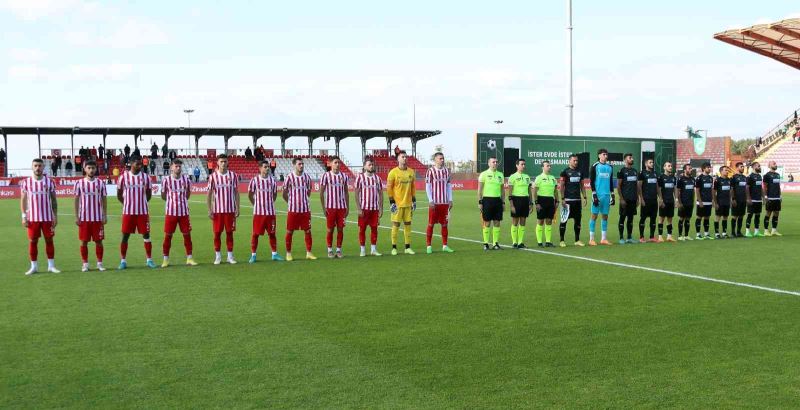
(786,153)
(384,163)
(717,151)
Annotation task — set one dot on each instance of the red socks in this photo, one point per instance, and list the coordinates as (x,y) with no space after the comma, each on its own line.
(98,252)
(362,235)
(49,248)
(339,238)
(253,243)
(148,249)
(229,241)
(444,235)
(429,235)
(308,240)
(84,254)
(273,242)
(289,241)
(329,238)
(33,250)
(187,243)
(123,249)
(373,237)
(167,244)
(217,241)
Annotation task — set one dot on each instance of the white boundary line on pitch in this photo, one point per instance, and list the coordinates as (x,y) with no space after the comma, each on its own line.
(587,259)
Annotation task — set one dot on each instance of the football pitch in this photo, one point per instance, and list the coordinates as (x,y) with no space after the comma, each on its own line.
(695,324)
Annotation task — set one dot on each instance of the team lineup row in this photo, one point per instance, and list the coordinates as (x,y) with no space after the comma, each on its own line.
(730,195)
(40,208)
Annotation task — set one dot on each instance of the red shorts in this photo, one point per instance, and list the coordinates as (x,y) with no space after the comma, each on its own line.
(263,223)
(298,221)
(225,222)
(38,229)
(438,214)
(172,222)
(91,231)
(335,217)
(369,218)
(135,223)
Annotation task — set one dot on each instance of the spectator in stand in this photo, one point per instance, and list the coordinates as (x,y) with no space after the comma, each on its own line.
(127,151)
(210,166)
(154,151)
(272,165)
(93,153)
(281,178)
(152,167)
(68,168)
(259,155)
(790,178)
(172,155)
(164,150)
(2,155)
(165,167)
(101,152)
(145,164)
(196,173)
(136,153)
(78,164)
(53,168)
(248,153)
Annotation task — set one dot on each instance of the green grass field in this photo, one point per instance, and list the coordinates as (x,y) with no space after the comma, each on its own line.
(469,329)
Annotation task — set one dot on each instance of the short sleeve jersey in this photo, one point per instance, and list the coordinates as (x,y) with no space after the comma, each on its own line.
(629,178)
(492,183)
(723,187)
(573,184)
(772,181)
(754,185)
(686,188)
(705,183)
(739,186)
(520,184)
(667,184)
(545,185)
(649,185)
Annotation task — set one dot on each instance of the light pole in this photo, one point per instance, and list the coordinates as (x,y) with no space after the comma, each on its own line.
(570,102)
(189,112)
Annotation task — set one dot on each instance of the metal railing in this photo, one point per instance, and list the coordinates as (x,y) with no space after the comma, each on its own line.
(776,134)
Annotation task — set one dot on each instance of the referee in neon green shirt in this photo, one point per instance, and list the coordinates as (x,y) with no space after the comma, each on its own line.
(491,202)
(520,198)
(545,196)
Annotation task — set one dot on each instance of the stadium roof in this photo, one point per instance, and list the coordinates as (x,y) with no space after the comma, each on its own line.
(284,133)
(779,41)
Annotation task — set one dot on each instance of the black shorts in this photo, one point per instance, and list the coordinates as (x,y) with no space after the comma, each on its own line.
(773,205)
(547,207)
(723,210)
(492,209)
(739,209)
(629,209)
(704,211)
(668,211)
(754,208)
(522,206)
(649,210)
(575,209)
(686,211)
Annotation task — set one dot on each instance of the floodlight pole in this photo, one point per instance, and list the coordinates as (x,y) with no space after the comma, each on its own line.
(189,112)
(570,103)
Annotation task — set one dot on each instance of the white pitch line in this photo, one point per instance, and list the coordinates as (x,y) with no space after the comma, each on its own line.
(587,259)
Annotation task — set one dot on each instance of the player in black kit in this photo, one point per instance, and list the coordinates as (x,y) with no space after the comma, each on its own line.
(738,200)
(574,197)
(704,187)
(772,186)
(648,198)
(755,199)
(627,186)
(722,202)
(685,202)
(666,201)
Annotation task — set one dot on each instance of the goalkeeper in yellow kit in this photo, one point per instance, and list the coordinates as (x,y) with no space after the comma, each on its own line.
(401,190)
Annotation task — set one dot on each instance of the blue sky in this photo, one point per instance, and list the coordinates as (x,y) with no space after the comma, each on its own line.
(641,68)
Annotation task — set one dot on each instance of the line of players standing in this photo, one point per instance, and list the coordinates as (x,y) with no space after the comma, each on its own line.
(656,197)
(40,208)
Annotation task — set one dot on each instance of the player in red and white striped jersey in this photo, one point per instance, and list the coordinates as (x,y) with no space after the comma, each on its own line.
(90,214)
(369,204)
(176,189)
(335,198)
(223,206)
(440,199)
(262,191)
(39,215)
(296,191)
(134,191)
